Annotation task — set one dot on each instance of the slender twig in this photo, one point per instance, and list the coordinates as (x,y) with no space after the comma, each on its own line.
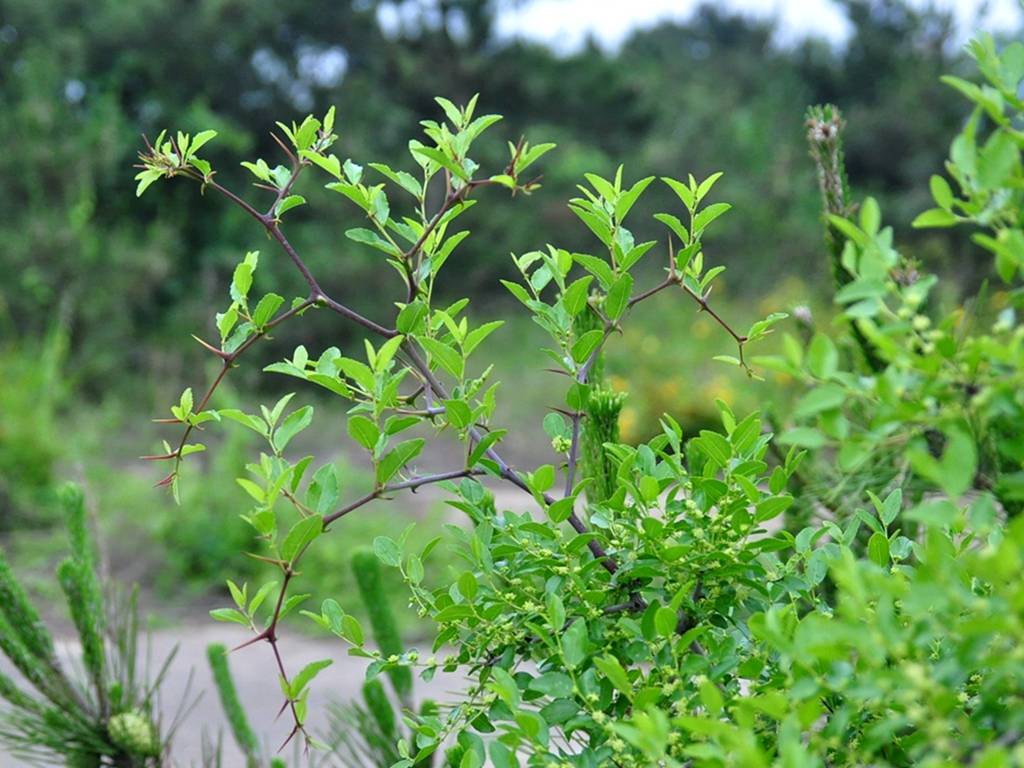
(227,362)
(668,282)
(274,229)
(706,307)
(286,188)
(412,484)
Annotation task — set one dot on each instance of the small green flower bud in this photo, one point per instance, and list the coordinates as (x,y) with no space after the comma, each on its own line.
(133,732)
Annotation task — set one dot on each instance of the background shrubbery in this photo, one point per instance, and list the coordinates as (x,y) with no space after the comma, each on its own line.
(100,292)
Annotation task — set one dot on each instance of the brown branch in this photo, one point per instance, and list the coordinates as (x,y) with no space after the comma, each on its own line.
(705,307)
(227,362)
(504,469)
(668,282)
(318,293)
(412,484)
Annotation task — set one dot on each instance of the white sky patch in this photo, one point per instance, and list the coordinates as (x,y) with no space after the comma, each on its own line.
(565,25)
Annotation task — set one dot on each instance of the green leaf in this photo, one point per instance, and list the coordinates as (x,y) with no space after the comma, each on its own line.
(612,669)
(805,437)
(351,630)
(295,423)
(772,507)
(708,215)
(822,357)
(997,160)
(665,621)
(438,156)
(444,355)
(518,291)
(292,201)
(878,549)
(531,155)
(705,186)
(411,316)
(714,446)
(556,611)
(266,309)
(241,281)
(575,643)
(459,414)
(673,223)
(504,685)
(823,398)
(237,594)
(891,506)
(941,192)
(145,179)
(468,585)
(305,675)
(251,488)
(368,237)
(596,267)
(543,478)
(935,217)
(251,422)
(629,197)
(586,344)
(482,447)
(870,216)
(555,684)
(477,335)
(329,163)
(259,598)
(686,195)
(229,614)
(397,458)
(575,296)
(363,430)
(618,297)
(387,551)
(561,510)
(300,535)
(849,230)
(414,569)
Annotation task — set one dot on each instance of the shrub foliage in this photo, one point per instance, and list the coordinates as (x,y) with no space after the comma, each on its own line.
(846,593)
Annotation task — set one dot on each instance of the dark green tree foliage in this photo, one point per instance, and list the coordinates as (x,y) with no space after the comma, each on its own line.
(84,80)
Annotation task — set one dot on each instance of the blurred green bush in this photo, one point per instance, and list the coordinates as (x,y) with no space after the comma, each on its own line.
(33,385)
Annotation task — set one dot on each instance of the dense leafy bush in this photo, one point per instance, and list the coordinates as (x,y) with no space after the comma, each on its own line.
(661,603)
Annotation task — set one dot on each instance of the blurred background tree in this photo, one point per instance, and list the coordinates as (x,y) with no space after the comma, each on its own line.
(110,287)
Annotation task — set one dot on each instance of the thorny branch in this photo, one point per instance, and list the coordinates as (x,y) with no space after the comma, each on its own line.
(433,388)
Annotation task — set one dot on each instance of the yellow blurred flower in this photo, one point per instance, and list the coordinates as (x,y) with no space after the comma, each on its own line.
(627,424)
